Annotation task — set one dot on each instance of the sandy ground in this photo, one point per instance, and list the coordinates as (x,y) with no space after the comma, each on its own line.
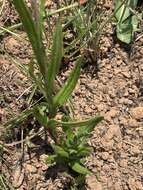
(114,91)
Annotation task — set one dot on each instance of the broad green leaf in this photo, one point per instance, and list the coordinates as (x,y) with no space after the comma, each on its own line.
(79,168)
(125,32)
(124,12)
(56,56)
(135,21)
(69,86)
(126,25)
(60,151)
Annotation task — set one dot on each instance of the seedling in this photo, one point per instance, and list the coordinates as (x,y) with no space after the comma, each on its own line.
(127,21)
(69,137)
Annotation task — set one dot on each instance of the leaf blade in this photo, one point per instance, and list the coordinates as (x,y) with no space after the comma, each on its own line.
(82,123)
(77,167)
(69,86)
(56,56)
(60,151)
(34,37)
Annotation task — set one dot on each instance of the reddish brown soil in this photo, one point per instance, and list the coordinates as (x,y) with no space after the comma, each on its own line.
(115,91)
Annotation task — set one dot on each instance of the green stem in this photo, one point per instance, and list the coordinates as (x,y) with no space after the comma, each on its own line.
(9,29)
(63,9)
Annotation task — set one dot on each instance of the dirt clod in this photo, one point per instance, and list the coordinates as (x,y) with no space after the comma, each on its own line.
(137,113)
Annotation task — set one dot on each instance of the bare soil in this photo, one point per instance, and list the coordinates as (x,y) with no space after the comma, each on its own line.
(114,91)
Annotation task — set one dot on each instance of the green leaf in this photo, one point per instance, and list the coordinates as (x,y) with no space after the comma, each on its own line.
(124,12)
(69,86)
(124,31)
(51,159)
(40,114)
(72,151)
(87,129)
(19,119)
(84,151)
(56,56)
(127,24)
(87,122)
(37,81)
(34,36)
(70,136)
(27,21)
(42,14)
(77,167)
(60,151)
(135,21)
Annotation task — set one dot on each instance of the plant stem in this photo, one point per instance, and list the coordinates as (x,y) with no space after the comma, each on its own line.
(63,9)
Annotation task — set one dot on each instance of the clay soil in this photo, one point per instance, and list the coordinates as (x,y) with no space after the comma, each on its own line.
(114,91)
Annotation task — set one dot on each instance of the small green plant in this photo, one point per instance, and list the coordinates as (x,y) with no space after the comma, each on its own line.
(69,137)
(127,20)
(73,144)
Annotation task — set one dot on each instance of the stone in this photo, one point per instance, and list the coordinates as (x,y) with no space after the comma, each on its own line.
(105,155)
(135,150)
(123,121)
(118,186)
(113,130)
(131,183)
(126,74)
(111,114)
(30,168)
(137,113)
(107,144)
(100,107)
(133,123)
(93,183)
(139,185)
(123,163)
(18,177)
(88,110)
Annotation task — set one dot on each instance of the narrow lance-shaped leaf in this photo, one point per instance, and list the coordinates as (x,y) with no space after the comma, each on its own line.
(79,168)
(56,56)
(60,151)
(39,113)
(42,14)
(92,121)
(69,86)
(27,21)
(87,129)
(33,36)
(38,9)
(38,81)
